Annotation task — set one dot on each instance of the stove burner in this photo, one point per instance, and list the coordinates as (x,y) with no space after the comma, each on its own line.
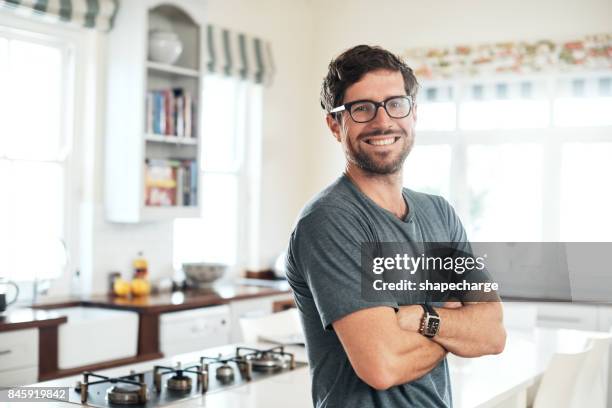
(267,361)
(225,373)
(179,383)
(273,359)
(124,394)
(130,389)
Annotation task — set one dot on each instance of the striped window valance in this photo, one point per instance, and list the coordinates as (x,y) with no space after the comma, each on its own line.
(98,14)
(238,55)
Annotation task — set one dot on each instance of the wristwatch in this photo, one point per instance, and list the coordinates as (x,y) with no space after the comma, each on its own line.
(430,322)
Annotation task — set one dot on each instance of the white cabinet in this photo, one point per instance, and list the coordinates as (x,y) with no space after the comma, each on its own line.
(196,329)
(260,306)
(95,335)
(18,357)
(145,164)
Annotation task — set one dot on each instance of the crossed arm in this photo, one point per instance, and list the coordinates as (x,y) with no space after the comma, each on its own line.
(385,348)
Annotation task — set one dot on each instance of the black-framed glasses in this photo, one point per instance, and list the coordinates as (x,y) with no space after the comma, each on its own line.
(362,111)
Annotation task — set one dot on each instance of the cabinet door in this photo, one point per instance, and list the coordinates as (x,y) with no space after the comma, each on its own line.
(18,357)
(19,377)
(191,330)
(18,349)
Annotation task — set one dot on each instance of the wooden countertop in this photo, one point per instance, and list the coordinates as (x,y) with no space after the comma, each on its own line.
(25,318)
(171,302)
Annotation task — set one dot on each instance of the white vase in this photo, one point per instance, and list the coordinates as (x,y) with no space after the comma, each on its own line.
(164,46)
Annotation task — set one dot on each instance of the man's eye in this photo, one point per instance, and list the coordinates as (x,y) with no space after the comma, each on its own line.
(361,108)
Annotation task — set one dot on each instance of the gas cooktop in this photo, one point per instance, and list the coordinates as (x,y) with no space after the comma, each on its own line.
(165,385)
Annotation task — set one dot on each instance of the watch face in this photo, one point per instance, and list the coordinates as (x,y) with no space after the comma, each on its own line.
(433,324)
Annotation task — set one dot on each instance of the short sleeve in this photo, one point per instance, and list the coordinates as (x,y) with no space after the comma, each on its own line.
(325,247)
(455,227)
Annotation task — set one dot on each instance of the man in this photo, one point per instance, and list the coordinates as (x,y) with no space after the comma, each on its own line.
(364,353)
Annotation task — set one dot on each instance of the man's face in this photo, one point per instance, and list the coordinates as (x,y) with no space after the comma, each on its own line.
(381,145)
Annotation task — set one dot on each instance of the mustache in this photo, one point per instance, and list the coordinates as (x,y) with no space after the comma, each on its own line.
(383,132)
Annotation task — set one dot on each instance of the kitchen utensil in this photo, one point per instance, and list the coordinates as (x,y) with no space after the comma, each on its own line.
(4,303)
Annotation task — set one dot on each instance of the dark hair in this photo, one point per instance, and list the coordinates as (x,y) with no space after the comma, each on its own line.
(350,66)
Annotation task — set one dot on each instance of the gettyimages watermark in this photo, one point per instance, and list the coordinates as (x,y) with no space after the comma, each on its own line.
(419,272)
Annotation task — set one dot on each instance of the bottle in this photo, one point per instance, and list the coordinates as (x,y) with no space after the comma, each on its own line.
(141,267)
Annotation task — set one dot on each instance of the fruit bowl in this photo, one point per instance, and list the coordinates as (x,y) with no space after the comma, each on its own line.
(203,274)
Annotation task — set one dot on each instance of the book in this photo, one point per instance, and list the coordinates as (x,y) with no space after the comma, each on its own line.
(170,112)
(160,183)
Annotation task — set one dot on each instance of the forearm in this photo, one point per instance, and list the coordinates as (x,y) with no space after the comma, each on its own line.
(469,330)
(413,356)
(385,355)
(472,330)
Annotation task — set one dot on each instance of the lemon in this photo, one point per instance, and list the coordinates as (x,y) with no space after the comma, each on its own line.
(121,287)
(140,287)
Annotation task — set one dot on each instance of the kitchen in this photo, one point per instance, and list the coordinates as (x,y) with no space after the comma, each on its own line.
(108,211)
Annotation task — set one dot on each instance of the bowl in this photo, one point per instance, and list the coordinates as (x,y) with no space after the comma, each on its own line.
(202,274)
(164,46)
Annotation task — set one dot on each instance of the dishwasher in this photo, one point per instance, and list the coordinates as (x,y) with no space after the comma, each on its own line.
(195,329)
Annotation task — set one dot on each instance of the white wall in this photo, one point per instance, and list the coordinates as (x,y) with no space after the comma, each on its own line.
(286,123)
(286,128)
(299,157)
(400,24)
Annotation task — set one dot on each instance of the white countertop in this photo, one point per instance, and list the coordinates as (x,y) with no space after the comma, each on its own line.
(480,382)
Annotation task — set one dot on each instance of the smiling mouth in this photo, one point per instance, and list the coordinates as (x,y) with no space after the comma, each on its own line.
(382,141)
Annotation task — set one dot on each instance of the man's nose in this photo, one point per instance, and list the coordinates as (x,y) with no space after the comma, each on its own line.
(382,117)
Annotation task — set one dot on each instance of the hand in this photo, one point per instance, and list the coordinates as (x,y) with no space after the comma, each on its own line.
(409,317)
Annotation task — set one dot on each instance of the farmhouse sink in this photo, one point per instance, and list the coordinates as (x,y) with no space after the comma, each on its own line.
(94,335)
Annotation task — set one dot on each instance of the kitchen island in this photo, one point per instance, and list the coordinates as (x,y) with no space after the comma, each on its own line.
(492,381)
(149,309)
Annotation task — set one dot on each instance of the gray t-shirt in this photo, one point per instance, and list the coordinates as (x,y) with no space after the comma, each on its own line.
(323,269)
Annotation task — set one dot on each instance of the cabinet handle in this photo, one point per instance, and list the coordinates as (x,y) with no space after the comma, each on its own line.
(4,352)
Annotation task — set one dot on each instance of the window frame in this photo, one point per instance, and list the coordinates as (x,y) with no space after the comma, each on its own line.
(78,46)
(245,169)
(552,138)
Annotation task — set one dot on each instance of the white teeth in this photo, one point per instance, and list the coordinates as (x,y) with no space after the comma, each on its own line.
(382,142)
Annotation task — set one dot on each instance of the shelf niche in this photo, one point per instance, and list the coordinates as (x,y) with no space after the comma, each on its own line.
(134,81)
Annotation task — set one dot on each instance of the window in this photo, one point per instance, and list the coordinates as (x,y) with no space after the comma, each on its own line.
(586,192)
(520,158)
(36,78)
(229,157)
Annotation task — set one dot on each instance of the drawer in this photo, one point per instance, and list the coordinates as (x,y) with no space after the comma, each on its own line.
(18,349)
(19,377)
(568,316)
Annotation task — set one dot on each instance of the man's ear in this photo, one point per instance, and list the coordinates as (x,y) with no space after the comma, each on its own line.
(414,112)
(334,126)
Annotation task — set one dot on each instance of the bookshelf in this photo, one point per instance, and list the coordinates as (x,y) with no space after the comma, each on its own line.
(153,138)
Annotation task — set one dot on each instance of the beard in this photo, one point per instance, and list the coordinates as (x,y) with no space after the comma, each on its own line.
(379,163)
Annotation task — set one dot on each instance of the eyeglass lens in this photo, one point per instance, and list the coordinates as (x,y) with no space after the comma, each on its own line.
(365,111)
